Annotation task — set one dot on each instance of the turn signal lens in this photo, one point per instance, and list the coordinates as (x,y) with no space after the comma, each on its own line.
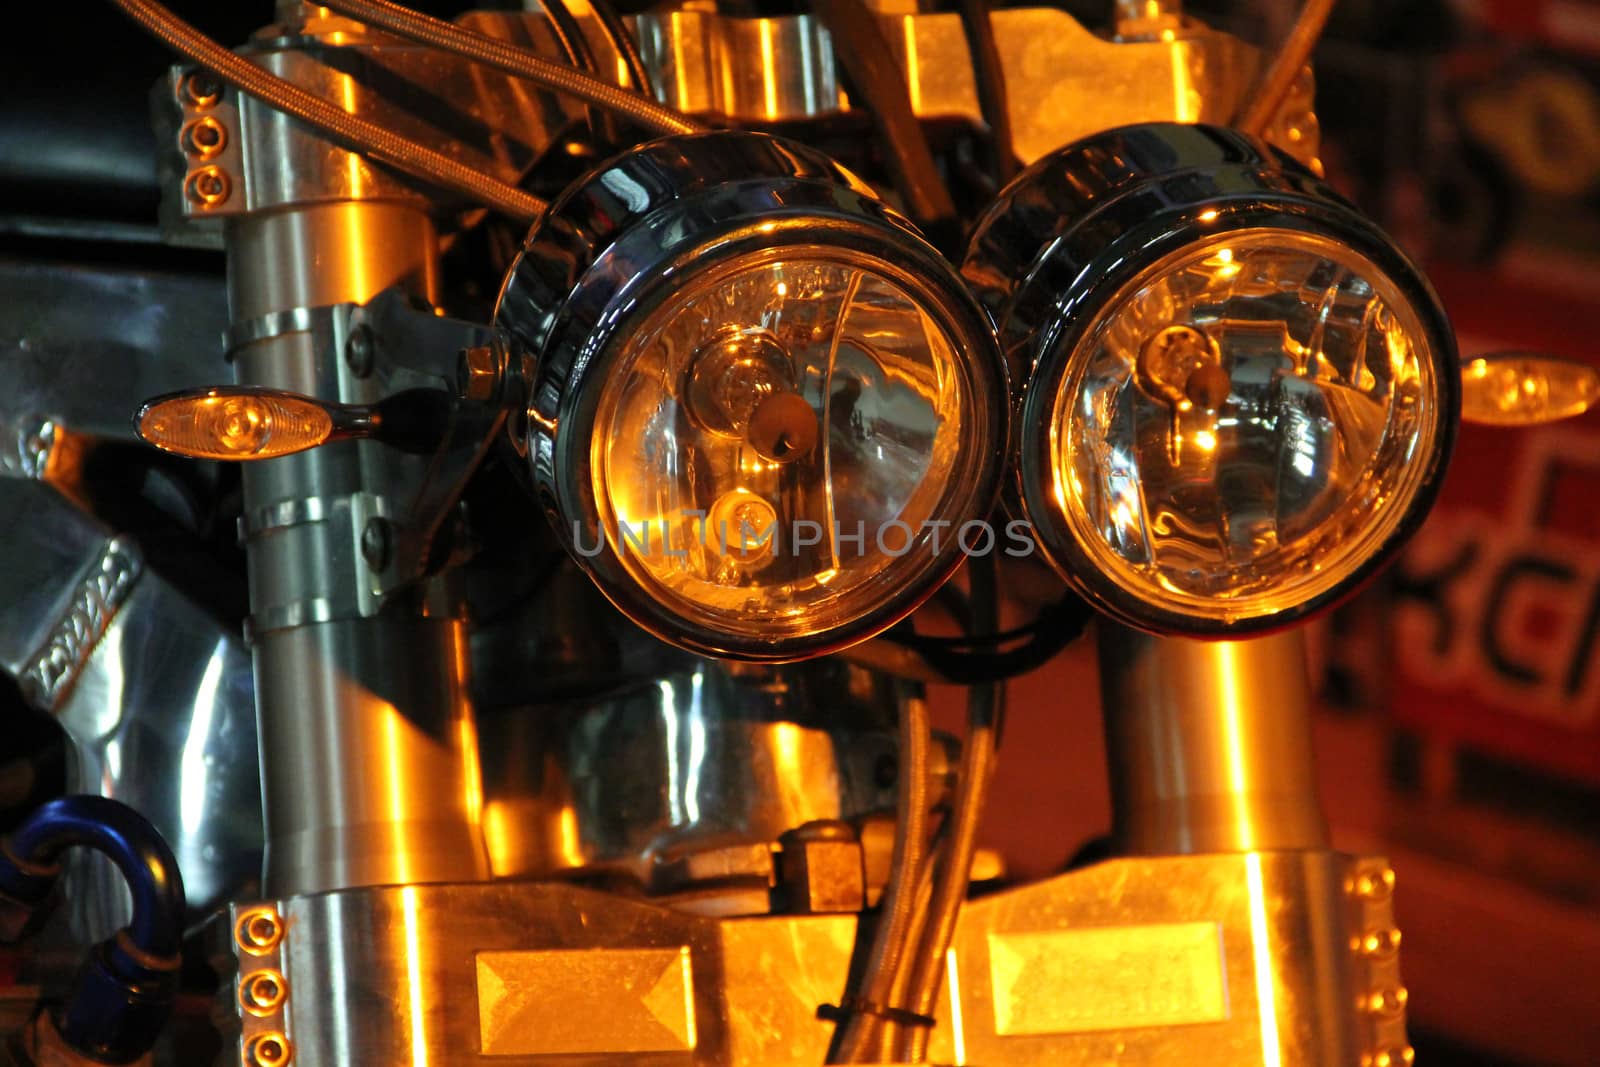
(1526,389)
(234,423)
(763,406)
(1239,396)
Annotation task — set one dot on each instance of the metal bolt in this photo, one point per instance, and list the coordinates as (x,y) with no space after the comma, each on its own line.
(207,187)
(204,137)
(202,89)
(360,350)
(262,992)
(478,373)
(375,543)
(258,931)
(268,1049)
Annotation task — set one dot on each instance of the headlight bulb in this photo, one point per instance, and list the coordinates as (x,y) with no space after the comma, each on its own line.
(759,403)
(1237,396)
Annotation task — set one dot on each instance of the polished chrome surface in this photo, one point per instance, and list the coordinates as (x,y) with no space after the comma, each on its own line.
(258,160)
(1064,81)
(82,345)
(654,229)
(154,696)
(369,755)
(701,759)
(1238,958)
(1063,260)
(1208,743)
(756,68)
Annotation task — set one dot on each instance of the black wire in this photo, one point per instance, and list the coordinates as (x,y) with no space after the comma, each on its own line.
(622,40)
(959,661)
(569,35)
(991,78)
(859,44)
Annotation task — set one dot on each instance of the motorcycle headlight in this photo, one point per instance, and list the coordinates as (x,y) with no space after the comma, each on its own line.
(760,405)
(1237,396)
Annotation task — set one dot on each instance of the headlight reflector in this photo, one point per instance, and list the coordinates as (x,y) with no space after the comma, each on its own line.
(1238,396)
(759,397)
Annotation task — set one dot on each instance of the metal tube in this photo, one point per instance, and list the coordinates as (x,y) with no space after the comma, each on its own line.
(368,752)
(1133,10)
(1208,743)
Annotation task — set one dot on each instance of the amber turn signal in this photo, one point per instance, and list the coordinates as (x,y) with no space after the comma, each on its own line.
(234,423)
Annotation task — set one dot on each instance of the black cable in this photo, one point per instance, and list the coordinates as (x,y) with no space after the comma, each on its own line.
(569,35)
(990,76)
(621,39)
(859,44)
(975,660)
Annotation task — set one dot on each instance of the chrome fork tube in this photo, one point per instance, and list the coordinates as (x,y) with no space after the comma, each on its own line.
(1209,744)
(368,753)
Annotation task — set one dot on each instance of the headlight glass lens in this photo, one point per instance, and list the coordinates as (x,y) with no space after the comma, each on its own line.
(1242,424)
(775,443)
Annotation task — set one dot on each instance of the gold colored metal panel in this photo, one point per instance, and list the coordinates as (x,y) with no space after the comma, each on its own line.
(543,1002)
(1066,82)
(1284,968)
(776,971)
(1166,974)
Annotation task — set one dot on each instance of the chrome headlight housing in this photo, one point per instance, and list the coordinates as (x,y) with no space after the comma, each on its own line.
(1236,396)
(759,401)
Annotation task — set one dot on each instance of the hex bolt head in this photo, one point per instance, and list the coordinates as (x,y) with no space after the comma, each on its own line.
(478,374)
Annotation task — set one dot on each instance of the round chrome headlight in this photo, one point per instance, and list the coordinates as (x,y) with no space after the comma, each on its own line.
(760,403)
(1237,396)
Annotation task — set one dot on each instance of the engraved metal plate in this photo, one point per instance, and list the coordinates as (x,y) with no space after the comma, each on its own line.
(1159,975)
(585,1001)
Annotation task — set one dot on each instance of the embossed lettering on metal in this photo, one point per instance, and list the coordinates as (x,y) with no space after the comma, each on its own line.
(1168,974)
(603,1000)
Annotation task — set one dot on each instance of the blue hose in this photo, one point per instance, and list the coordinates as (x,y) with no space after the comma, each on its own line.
(122,996)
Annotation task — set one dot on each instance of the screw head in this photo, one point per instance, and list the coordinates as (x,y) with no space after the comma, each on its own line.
(202,89)
(258,931)
(376,542)
(207,187)
(262,992)
(204,137)
(268,1049)
(360,350)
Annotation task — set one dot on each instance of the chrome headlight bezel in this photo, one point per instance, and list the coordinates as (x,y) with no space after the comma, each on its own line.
(1071,234)
(620,244)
